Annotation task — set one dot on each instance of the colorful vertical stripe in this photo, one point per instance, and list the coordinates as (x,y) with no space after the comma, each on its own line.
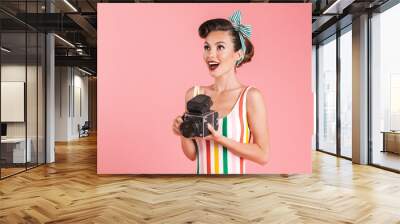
(225,150)
(197,157)
(241,108)
(213,158)
(208,157)
(216,158)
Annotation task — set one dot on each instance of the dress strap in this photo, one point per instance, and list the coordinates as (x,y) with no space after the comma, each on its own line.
(246,91)
(196,91)
(244,102)
(244,97)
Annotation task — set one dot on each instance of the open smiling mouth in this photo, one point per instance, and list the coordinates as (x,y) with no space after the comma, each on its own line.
(212,65)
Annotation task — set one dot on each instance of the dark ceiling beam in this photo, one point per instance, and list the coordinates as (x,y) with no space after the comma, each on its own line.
(87,51)
(49,22)
(84,61)
(337,7)
(16,18)
(328,15)
(327,25)
(91,5)
(331,30)
(321,22)
(43,22)
(85,25)
(10,25)
(383,6)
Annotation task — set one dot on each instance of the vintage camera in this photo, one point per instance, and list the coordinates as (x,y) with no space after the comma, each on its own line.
(198,116)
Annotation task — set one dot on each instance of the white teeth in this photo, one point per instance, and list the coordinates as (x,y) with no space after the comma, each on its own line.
(213,63)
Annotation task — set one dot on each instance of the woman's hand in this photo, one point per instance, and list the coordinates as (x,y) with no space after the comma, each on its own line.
(187,144)
(215,136)
(176,124)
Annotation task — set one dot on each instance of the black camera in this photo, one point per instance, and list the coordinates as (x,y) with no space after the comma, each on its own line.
(198,116)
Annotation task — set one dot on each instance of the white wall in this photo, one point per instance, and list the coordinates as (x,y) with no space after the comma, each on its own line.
(81,103)
(62,81)
(71,93)
(16,73)
(33,127)
(12,73)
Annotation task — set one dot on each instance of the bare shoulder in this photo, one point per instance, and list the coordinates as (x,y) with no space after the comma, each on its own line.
(255,97)
(256,107)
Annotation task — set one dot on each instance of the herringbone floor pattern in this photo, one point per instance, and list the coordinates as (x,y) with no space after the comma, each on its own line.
(70,191)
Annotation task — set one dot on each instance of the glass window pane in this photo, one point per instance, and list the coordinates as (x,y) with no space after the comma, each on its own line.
(13,86)
(386,88)
(314,76)
(32,95)
(327,96)
(41,98)
(346,94)
(31,84)
(22,89)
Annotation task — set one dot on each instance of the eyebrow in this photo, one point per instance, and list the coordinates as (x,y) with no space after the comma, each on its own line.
(219,42)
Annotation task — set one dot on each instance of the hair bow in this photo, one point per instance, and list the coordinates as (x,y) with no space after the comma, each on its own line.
(242,29)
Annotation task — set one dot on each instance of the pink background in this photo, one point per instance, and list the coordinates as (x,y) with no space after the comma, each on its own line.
(150,54)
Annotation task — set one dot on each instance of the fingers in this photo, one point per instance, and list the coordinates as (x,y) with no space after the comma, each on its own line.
(179,119)
(176,124)
(209,137)
(197,138)
(214,134)
(175,131)
(211,129)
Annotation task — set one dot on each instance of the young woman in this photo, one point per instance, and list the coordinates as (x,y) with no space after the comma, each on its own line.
(242,134)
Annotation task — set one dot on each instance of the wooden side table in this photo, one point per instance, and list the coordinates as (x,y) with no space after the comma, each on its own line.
(391,141)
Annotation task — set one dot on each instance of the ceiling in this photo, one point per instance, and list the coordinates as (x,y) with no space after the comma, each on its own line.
(76,22)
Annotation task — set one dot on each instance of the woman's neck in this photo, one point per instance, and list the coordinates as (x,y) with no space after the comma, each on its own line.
(225,82)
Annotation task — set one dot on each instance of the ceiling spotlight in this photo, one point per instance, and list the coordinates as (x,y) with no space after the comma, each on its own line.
(79,51)
(5,50)
(64,40)
(84,71)
(70,5)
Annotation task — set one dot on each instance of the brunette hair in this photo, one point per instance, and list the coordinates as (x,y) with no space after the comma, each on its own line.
(225,25)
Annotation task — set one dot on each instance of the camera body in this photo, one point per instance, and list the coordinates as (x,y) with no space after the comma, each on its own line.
(198,116)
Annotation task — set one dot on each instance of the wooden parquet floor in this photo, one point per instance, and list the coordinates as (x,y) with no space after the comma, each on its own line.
(70,191)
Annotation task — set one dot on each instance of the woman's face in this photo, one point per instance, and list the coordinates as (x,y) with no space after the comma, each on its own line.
(219,53)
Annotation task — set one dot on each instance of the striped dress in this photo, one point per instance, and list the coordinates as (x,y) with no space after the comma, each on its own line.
(213,158)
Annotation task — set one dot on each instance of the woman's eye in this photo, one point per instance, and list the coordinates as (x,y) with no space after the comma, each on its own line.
(220,47)
(206,47)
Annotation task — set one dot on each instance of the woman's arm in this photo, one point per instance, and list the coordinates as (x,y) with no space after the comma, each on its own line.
(188,148)
(256,151)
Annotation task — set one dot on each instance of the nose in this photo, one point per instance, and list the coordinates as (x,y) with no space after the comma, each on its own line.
(211,54)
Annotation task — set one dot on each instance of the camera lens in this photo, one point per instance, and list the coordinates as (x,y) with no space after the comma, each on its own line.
(197,130)
(191,129)
(187,129)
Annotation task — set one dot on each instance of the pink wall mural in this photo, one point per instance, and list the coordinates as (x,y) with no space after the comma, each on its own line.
(150,54)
